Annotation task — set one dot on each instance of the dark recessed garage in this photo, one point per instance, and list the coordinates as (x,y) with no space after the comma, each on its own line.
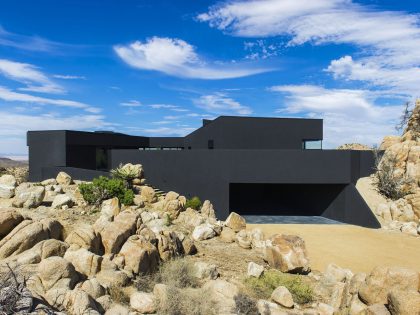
(283,199)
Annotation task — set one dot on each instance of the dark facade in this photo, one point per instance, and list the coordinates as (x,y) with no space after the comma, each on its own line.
(241,164)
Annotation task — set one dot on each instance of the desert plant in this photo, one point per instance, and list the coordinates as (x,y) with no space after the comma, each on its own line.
(407,112)
(167,219)
(261,288)
(177,273)
(118,295)
(194,203)
(388,182)
(127,173)
(245,305)
(103,188)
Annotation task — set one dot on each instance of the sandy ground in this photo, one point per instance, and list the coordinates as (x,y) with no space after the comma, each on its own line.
(359,249)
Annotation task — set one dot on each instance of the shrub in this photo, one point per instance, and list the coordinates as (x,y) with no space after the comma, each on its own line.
(194,203)
(261,288)
(245,305)
(125,173)
(118,295)
(103,188)
(387,182)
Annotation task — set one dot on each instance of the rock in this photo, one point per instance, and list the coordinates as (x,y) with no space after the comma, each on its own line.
(377,309)
(169,245)
(235,222)
(203,232)
(160,291)
(204,270)
(283,297)
(148,194)
(138,201)
(384,279)
(118,309)
(255,270)
(110,208)
(147,216)
(223,292)
(357,307)
(85,237)
(409,228)
(383,210)
(62,200)
(78,302)
(93,288)
(117,232)
(257,239)
(189,246)
(7,186)
(335,273)
(414,201)
(26,234)
(266,307)
(243,240)
(324,309)
(49,182)
(109,277)
(207,210)
(9,219)
(404,302)
(104,303)
(84,261)
(143,302)
(388,141)
(56,272)
(228,235)
(401,210)
(190,217)
(28,196)
(141,257)
(287,253)
(101,223)
(64,179)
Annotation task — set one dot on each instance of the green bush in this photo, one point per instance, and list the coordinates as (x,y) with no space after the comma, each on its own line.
(261,288)
(103,188)
(194,203)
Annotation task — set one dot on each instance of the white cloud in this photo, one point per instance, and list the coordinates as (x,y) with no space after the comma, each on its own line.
(389,41)
(132,103)
(14,126)
(163,131)
(171,107)
(220,103)
(11,96)
(176,57)
(28,74)
(349,115)
(69,77)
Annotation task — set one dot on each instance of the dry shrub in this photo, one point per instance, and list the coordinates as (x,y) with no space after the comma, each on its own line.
(119,295)
(187,301)
(245,305)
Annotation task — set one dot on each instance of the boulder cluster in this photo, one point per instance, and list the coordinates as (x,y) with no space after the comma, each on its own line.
(52,267)
(404,214)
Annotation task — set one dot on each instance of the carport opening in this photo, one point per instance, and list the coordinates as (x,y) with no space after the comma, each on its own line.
(283,199)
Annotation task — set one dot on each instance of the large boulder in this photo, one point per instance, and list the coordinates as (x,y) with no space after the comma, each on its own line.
(235,222)
(112,278)
(84,261)
(76,302)
(148,194)
(27,234)
(140,256)
(9,218)
(7,186)
(283,297)
(62,200)
(414,201)
(64,179)
(404,302)
(85,237)
(401,210)
(337,274)
(287,253)
(143,302)
(110,208)
(255,270)
(228,235)
(384,279)
(203,270)
(224,293)
(169,245)
(205,231)
(28,195)
(207,210)
(117,232)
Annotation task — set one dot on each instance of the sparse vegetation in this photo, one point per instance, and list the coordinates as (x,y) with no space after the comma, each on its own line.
(261,288)
(103,188)
(126,174)
(168,219)
(407,112)
(118,295)
(194,203)
(388,182)
(177,273)
(245,305)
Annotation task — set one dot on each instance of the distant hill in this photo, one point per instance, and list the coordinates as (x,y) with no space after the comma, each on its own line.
(6,162)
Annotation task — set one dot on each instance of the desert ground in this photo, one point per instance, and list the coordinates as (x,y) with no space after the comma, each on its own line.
(359,249)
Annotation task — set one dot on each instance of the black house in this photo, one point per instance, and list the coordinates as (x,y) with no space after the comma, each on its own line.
(259,166)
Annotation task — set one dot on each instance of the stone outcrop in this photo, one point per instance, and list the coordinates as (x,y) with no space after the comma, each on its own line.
(404,302)
(283,297)
(235,222)
(84,261)
(28,195)
(287,253)
(9,219)
(64,179)
(85,237)
(140,256)
(7,186)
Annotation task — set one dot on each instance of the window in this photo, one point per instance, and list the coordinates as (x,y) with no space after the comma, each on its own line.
(210,144)
(312,144)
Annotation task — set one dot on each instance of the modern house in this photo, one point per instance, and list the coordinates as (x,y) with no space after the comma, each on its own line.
(259,166)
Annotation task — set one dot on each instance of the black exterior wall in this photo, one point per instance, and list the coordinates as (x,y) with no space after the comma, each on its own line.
(226,161)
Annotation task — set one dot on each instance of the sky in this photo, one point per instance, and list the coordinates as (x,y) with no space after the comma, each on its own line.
(157,68)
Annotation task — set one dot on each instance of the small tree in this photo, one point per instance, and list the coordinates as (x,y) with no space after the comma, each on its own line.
(404,118)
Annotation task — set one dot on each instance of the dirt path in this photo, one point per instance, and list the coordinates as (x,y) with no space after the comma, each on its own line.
(353,247)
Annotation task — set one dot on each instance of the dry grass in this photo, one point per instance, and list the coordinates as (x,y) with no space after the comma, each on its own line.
(119,295)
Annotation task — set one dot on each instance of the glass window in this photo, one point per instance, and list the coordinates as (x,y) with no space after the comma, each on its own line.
(312,144)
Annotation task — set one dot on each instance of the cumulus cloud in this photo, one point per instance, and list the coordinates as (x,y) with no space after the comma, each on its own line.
(220,103)
(389,40)
(11,96)
(13,127)
(30,75)
(178,58)
(349,115)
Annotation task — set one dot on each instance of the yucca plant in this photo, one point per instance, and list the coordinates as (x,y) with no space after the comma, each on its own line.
(127,173)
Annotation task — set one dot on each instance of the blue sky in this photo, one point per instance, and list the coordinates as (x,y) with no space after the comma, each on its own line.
(152,67)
